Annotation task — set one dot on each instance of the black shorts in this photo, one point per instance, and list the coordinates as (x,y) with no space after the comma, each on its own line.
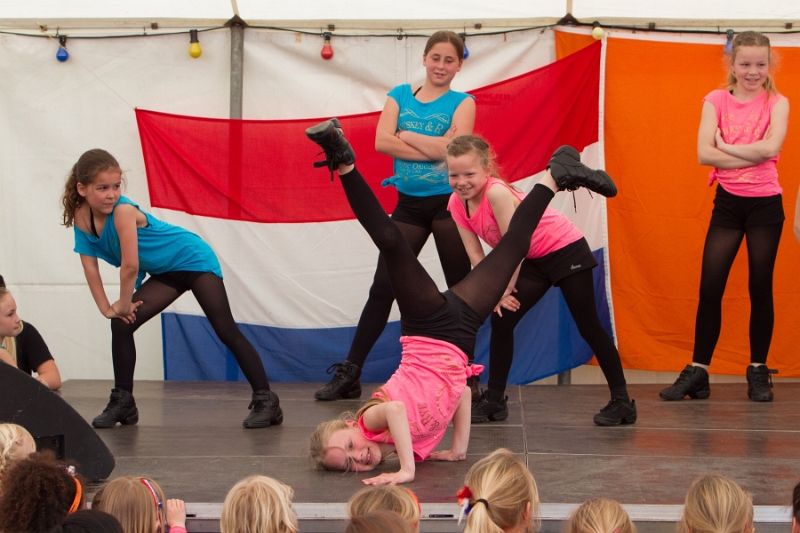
(180,280)
(454,322)
(555,266)
(421,210)
(742,212)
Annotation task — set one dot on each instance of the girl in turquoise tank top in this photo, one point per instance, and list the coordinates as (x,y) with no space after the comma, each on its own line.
(414,128)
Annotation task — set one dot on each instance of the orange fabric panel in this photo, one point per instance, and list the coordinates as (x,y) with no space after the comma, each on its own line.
(657,224)
(569,43)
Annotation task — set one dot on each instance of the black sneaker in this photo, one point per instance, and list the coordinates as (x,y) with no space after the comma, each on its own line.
(487,408)
(616,412)
(693,382)
(121,408)
(328,135)
(265,410)
(570,174)
(759,383)
(472,383)
(344,385)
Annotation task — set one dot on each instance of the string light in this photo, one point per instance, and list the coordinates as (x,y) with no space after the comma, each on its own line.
(464,39)
(729,43)
(327,49)
(597,30)
(62,54)
(194,48)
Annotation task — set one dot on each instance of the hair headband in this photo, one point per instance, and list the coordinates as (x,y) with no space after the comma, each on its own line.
(156,500)
(416,500)
(76,502)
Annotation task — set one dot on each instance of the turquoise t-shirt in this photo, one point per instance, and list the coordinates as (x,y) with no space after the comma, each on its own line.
(162,247)
(423,178)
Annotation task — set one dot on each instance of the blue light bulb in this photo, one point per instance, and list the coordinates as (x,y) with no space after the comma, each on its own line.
(62,54)
(466,52)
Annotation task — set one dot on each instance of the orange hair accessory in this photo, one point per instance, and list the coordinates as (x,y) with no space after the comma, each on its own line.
(78,495)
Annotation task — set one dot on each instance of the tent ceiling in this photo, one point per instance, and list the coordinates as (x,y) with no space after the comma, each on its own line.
(388,15)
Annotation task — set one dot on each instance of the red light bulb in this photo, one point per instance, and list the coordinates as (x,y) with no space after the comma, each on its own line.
(327,49)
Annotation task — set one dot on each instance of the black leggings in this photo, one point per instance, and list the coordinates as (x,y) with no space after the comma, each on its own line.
(416,293)
(210,292)
(578,291)
(455,265)
(722,245)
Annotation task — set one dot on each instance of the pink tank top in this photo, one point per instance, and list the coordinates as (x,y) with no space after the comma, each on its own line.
(745,123)
(554,231)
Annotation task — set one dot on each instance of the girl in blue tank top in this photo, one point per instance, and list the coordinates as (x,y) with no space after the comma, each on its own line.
(113,228)
(417,123)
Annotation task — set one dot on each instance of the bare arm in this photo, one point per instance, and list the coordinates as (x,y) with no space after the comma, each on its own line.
(6,358)
(504,203)
(49,375)
(472,244)
(435,148)
(393,415)
(707,151)
(386,140)
(461,425)
(770,145)
(125,223)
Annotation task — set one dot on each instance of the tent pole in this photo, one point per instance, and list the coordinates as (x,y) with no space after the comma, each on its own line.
(237,69)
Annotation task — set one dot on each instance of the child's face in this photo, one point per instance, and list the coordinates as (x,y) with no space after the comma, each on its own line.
(468,178)
(9,320)
(751,67)
(441,64)
(104,192)
(349,450)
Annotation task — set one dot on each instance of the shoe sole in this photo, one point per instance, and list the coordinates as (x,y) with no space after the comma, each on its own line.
(760,400)
(277,422)
(573,154)
(701,395)
(321,130)
(130,420)
(352,395)
(612,423)
(497,417)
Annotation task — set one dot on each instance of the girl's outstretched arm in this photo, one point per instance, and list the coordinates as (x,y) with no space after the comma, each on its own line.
(707,151)
(503,203)
(435,148)
(473,246)
(461,424)
(125,224)
(49,375)
(392,415)
(770,145)
(386,140)
(91,271)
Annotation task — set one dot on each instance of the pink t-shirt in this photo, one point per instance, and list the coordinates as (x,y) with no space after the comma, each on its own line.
(429,381)
(745,123)
(553,232)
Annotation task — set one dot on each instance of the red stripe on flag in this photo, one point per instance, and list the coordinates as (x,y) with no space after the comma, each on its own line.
(261,171)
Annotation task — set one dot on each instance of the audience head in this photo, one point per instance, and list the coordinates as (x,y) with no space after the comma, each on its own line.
(259,504)
(715,504)
(38,493)
(137,502)
(16,443)
(89,521)
(796,509)
(502,495)
(378,522)
(600,515)
(399,500)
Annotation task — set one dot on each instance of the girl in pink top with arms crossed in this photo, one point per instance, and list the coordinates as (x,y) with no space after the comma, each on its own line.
(482,206)
(410,413)
(741,133)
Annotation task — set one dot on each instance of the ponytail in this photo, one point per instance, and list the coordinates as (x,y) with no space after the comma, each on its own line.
(84,172)
(71,200)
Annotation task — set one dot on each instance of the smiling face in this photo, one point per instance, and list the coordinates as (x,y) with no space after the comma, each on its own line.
(349,450)
(468,177)
(103,193)
(10,322)
(750,67)
(441,64)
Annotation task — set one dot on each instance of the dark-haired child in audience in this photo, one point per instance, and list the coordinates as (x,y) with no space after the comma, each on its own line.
(89,521)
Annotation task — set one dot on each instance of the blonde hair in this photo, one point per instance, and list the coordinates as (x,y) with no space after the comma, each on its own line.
(9,342)
(600,515)
(12,437)
(507,486)
(131,502)
(259,504)
(752,38)
(715,504)
(378,522)
(385,498)
(84,172)
(318,445)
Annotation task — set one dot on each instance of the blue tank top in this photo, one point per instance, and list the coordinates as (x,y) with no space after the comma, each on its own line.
(423,178)
(162,247)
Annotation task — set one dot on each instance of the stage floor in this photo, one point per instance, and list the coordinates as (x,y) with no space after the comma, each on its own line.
(191,440)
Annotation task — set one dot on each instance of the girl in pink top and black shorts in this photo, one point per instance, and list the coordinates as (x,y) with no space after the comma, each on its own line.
(741,134)
(558,255)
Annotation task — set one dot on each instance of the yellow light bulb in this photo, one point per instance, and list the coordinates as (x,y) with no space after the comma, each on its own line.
(195,50)
(597,32)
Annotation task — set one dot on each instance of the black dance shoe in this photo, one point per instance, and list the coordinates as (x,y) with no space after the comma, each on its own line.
(759,383)
(121,408)
(616,412)
(344,385)
(692,382)
(328,135)
(489,407)
(570,174)
(265,410)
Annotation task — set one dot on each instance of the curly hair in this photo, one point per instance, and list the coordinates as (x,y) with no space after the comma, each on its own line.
(37,494)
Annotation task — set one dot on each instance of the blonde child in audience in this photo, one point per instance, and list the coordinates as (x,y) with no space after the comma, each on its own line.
(379,522)
(259,504)
(16,443)
(600,515)
(139,505)
(500,496)
(386,498)
(715,504)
